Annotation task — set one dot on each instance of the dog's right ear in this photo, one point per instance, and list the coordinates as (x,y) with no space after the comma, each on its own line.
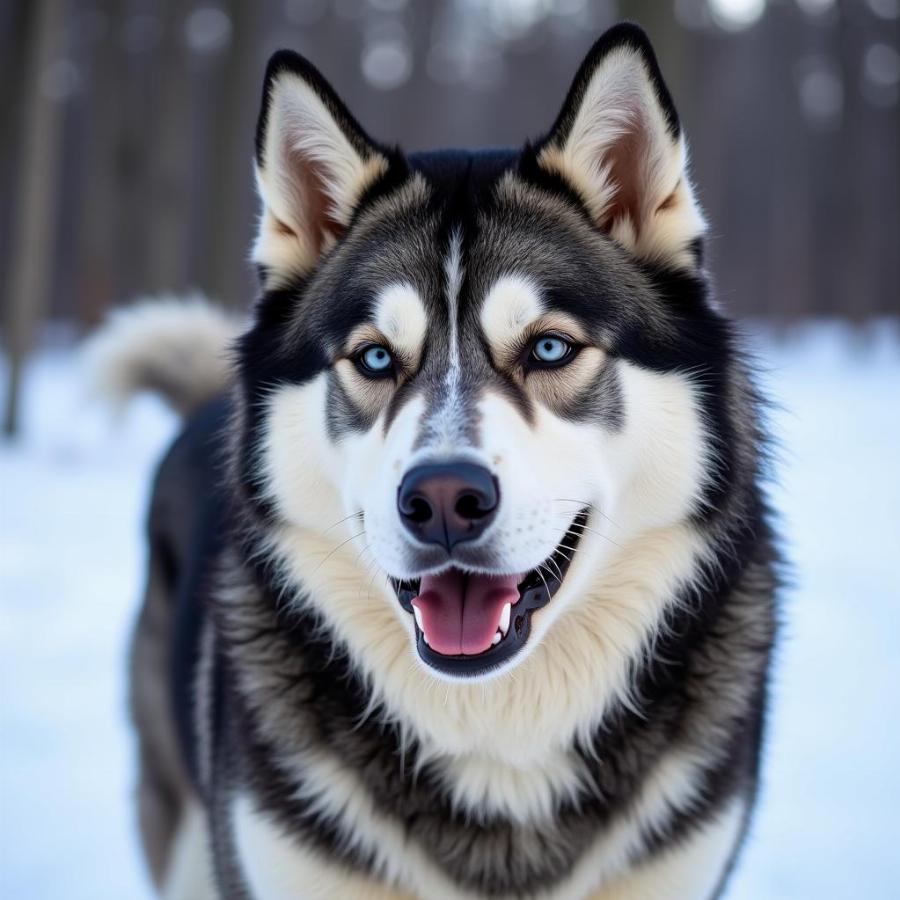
(618,144)
(313,165)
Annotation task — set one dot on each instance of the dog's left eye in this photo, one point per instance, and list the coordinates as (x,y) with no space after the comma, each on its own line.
(375,360)
(551,350)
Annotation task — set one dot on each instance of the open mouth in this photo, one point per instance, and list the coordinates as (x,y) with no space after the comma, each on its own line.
(468,623)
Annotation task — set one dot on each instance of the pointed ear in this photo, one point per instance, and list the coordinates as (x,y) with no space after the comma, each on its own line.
(618,143)
(313,164)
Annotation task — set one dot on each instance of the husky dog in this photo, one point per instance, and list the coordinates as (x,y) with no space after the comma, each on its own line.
(461,578)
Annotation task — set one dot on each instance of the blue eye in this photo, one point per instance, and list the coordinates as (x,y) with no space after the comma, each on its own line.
(550,349)
(377,360)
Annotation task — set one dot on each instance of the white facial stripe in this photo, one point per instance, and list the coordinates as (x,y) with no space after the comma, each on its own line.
(400,317)
(454,273)
(446,430)
(512,303)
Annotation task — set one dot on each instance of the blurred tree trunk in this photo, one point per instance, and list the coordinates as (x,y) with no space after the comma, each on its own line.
(230,161)
(866,261)
(139,68)
(168,203)
(779,284)
(33,229)
(14,48)
(96,287)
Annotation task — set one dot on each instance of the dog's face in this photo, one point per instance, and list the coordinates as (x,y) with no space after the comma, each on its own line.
(472,375)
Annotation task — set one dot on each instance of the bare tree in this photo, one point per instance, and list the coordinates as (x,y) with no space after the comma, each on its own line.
(34,227)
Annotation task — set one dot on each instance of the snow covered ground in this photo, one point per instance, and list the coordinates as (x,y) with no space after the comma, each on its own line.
(72,498)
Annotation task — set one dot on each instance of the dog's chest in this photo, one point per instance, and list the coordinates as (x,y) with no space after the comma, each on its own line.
(277,866)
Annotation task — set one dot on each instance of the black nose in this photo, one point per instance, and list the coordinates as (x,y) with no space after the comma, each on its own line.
(448,503)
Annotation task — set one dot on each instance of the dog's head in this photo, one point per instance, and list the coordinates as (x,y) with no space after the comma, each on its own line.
(474,378)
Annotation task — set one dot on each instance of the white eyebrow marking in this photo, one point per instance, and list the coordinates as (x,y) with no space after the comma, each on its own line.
(400,317)
(513,302)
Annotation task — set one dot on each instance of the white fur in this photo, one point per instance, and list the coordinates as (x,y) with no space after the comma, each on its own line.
(619,101)
(687,871)
(670,788)
(483,785)
(657,463)
(176,346)
(301,465)
(611,618)
(279,868)
(304,147)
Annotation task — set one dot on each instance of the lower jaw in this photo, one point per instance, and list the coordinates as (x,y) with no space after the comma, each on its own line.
(536,590)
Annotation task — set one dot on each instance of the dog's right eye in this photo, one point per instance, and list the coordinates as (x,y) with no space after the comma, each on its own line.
(550,351)
(375,361)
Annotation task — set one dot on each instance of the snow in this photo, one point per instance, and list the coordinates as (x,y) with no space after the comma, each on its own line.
(73,491)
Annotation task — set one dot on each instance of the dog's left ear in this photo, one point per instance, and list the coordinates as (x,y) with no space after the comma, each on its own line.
(314,163)
(618,143)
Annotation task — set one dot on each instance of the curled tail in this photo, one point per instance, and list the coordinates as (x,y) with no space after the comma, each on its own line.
(178,348)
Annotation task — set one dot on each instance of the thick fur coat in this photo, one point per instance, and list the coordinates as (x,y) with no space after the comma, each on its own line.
(537,326)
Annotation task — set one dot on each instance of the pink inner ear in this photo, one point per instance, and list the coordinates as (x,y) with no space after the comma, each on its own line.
(626,159)
(319,220)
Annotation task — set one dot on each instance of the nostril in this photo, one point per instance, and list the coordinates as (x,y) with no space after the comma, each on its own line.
(472,506)
(417,509)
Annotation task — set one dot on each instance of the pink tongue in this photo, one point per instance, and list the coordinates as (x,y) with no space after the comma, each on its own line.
(461,613)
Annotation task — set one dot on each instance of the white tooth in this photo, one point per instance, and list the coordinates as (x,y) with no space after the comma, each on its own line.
(418,614)
(496,639)
(504,618)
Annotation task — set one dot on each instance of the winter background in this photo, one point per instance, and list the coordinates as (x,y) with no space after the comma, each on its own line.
(125,146)
(74,492)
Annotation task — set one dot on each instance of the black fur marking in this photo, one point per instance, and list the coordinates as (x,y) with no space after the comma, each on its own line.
(463,175)
(186,538)
(342,415)
(601,401)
